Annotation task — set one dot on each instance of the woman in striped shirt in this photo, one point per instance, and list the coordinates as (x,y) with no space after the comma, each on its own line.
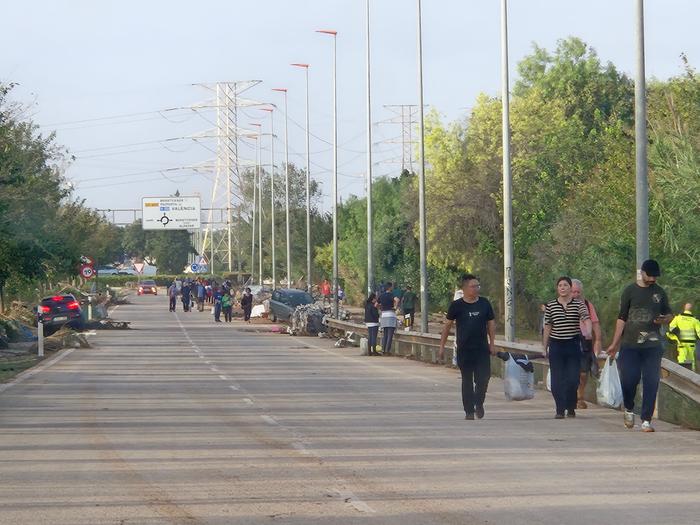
(561,340)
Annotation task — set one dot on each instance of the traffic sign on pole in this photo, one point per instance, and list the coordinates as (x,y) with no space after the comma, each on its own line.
(194,267)
(87,271)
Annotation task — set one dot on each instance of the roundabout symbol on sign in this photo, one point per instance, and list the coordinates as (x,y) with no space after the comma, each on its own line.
(194,267)
(87,271)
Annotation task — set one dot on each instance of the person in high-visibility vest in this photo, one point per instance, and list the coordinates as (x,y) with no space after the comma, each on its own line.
(685,329)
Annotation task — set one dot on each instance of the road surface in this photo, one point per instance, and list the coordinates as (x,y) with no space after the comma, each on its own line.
(184,421)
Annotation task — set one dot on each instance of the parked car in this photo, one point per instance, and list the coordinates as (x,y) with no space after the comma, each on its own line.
(107,270)
(60,310)
(127,271)
(148,287)
(285,300)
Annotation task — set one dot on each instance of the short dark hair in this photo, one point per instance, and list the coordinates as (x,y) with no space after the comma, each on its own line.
(371,298)
(468,277)
(389,284)
(564,278)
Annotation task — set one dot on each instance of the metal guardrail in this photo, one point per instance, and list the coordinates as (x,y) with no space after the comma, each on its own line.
(679,394)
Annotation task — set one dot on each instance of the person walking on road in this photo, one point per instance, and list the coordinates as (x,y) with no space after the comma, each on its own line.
(247,304)
(172,296)
(227,304)
(217,294)
(201,294)
(685,329)
(186,292)
(372,323)
(591,343)
(476,343)
(644,309)
(387,319)
(408,305)
(563,318)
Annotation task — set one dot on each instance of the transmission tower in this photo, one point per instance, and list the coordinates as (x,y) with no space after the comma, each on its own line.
(227,189)
(405,115)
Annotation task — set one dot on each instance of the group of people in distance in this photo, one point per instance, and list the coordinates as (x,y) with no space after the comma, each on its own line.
(380,312)
(571,340)
(201,291)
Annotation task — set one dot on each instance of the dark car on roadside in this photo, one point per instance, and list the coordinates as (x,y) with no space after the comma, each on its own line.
(148,287)
(285,300)
(60,310)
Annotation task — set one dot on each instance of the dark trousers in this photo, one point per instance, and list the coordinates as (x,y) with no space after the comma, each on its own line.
(373,332)
(246,313)
(565,365)
(173,303)
(227,313)
(644,364)
(476,372)
(387,338)
(217,311)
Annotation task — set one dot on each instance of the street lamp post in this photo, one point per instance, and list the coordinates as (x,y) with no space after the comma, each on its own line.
(508,261)
(272,194)
(308,185)
(286,185)
(640,139)
(370,243)
(334,34)
(421,185)
(257,208)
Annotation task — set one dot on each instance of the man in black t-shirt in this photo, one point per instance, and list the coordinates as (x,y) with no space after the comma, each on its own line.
(644,309)
(476,336)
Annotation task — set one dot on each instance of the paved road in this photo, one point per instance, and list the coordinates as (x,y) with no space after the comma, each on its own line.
(184,421)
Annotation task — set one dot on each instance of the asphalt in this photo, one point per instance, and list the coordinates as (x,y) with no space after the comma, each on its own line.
(181,420)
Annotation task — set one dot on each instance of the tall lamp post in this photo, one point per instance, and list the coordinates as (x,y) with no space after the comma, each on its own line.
(370,232)
(257,206)
(272,194)
(286,185)
(421,184)
(308,184)
(508,262)
(640,139)
(334,34)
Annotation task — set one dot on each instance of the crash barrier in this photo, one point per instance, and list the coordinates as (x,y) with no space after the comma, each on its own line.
(678,400)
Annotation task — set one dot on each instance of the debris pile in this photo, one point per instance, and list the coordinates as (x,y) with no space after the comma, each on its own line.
(307,319)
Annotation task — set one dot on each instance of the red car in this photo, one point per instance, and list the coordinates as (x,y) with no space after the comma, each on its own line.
(148,287)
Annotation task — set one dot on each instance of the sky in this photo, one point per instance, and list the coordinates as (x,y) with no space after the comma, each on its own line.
(116,80)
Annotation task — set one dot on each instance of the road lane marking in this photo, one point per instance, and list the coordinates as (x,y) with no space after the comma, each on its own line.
(248,400)
(270,420)
(223,377)
(354,501)
(233,387)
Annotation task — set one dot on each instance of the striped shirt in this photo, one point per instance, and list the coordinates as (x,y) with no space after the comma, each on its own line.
(565,322)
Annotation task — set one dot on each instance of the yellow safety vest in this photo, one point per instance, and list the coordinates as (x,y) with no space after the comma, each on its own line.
(685,329)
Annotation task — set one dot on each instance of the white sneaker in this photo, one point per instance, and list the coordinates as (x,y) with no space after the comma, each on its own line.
(646,426)
(629,419)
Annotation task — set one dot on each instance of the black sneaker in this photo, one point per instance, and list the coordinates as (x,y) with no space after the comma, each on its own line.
(571,413)
(479,412)
(559,416)
(470,417)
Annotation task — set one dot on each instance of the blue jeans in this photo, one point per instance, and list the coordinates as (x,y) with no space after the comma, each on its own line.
(565,365)
(645,364)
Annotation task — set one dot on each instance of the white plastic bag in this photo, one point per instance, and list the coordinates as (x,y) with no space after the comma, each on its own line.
(548,383)
(609,390)
(518,383)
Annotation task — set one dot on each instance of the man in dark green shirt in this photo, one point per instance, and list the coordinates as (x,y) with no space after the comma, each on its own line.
(408,304)
(643,309)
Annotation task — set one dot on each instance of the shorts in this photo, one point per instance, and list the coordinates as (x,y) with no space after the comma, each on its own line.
(589,362)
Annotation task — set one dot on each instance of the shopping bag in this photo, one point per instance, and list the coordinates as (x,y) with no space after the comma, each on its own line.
(609,390)
(519,379)
(548,383)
